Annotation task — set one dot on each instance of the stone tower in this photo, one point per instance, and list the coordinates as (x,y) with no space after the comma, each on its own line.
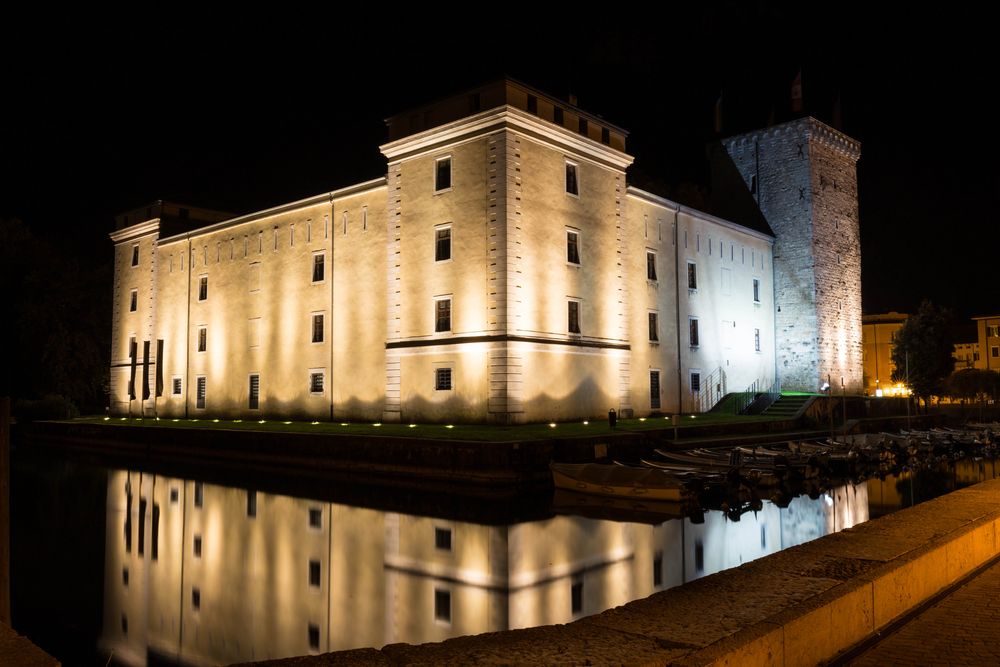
(803,177)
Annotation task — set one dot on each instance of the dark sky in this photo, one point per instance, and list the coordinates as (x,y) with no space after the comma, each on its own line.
(242,113)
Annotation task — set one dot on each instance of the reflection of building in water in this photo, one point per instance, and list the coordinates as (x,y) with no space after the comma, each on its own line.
(210,574)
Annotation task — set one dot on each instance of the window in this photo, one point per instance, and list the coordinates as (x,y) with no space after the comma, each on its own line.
(125,576)
(576,597)
(583,126)
(253,332)
(605,136)
(695,381)
(699,556)
(573,317)
(135,255)
(658,569)
(442,605)
(756,290)
(133,301)
(154,534)
(442,174)
(557,115)
(654,329)
(196,598)
(994,331)
(650,265)
(177,388)
(442,379)
(200,393)
(572,187)
(319,261)
(199,494)
(994,351)
(202,288)
(317,382)
(142,526)
(442,244)
(174,495)
(693,331)
(692,275)
(756,340)
(254,277)
(202,339)
(654,390)
(532,104)
(313,637)
(251,503)
(314,573)
(124,624)
(196,547)
(442,315)
(442,539)
(573,247)
(315,517)
(253,401)
(317,327)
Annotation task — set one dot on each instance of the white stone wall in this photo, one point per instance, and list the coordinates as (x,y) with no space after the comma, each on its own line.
(806,186)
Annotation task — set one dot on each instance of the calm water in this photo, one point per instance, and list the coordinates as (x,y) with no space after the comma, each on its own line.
(160,569)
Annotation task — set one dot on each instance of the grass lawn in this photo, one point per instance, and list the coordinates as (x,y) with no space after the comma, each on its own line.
(483,432)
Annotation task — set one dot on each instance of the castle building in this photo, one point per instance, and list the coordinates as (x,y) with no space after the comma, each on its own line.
(502,271)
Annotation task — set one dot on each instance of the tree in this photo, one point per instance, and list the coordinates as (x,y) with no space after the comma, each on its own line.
(923,345)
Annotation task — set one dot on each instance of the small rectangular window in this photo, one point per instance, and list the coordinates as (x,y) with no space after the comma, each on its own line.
(202,288)
(442,244)
(314,574)
(583,126)
(572,247)
(196,547)
(442,174)
(650,265)
(200,393)
(125,576)
(693,331)
(133,301)
(317,382)
(254,277)
(756,290)
(135,255)
(994,351)
(196,598)
(557,115)
(573,317)
(442,605)
(576,597)
(251,503)
(572,187)
(199,494)
(994,331)
(532,104)
(313,637)
(654,390)
(315,517)
(692,275)
(174,495)
(658,569)
(317,327)
(442,539)
(699,556)
(254,392)
(202,339)
(319,266)
(154,535)
(142,526)
(442,315)
(442,379)
(654,329)
(756,340)
(695,381)
(605,136)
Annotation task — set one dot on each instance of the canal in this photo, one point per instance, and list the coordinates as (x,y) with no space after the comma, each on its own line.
(152,567)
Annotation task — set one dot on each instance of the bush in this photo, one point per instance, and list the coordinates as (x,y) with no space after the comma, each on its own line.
(49,407)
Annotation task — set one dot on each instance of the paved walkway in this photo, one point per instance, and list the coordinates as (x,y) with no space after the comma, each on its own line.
(961,629)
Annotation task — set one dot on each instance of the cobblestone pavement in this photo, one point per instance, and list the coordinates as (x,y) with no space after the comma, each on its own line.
(961,629)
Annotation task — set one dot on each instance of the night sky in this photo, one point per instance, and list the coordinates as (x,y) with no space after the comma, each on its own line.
(245,114)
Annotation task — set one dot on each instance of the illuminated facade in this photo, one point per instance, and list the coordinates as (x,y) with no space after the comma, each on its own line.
(202,574)
(879,340)
(986,356)
(502,271)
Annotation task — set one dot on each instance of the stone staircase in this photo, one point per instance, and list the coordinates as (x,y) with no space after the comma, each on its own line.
(789,406)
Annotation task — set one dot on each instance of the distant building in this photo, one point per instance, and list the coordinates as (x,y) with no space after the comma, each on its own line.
(988,343)
(879,335)
(502,271)
(966,355)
